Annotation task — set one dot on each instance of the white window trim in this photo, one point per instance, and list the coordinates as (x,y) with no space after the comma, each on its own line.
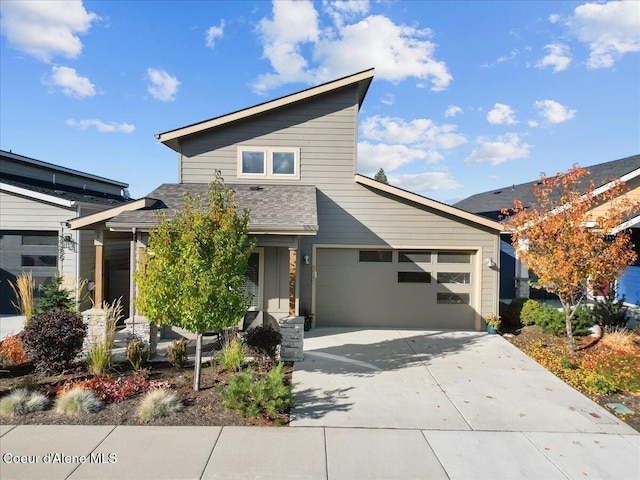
(268,154)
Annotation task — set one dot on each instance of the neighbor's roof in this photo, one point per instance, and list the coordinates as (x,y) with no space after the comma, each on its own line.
(362,79)
(489,204)
(428,202)
(274,209)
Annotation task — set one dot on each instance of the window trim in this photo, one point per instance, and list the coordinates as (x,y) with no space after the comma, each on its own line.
(268,162)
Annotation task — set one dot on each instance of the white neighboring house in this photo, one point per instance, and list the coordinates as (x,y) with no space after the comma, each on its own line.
(36,200)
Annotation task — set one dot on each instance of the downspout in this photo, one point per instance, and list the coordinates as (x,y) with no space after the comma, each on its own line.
(132,282)
(77,256)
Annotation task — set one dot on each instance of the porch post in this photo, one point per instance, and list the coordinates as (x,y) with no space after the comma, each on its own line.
(99,271)
(293,257)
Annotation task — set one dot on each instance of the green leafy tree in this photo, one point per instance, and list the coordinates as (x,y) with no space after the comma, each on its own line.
(381,177)
(193,274)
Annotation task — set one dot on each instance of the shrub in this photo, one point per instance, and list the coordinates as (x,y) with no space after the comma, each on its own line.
(137,353)
(610,311)
(177,352)
(22,402)
(12,351)
(77,401)
(251,394)
(98,359)
(113,390)
(55,297)
(158,403)
(529,312)
(23,290)
(620,340)
(601,384)
(53,340)
(264,340)
(515,309)
(231,356)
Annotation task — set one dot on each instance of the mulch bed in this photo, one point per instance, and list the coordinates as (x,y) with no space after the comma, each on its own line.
(201,408)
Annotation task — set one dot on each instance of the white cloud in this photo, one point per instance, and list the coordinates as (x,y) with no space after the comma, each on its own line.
(609,29)
(101,126)
(372,157)
(501,115)
(425,182)
(512,55)
(452,111)
(396,51)
(554,18)
(554,112)
(45,28)
(213,33)
(71,83)
(388,99)
(503,148)
(343,10)
(421,132)
(163,86)
(558,57)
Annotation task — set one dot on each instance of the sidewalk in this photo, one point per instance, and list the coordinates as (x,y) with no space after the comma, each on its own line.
(58,452)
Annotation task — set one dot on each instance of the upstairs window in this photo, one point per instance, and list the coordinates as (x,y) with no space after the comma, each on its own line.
(269,162)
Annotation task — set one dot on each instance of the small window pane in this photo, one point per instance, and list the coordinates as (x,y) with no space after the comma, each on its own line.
(414,256)
(414,277)
(40,238)
(284,163)
(454,257)
(39,261)
(449,298)
(454,277)
(375,255)
(253,163)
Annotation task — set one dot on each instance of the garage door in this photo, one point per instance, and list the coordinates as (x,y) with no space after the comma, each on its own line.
(430,289)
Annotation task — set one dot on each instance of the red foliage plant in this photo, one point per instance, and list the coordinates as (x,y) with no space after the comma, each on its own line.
(12,351)
(113,390)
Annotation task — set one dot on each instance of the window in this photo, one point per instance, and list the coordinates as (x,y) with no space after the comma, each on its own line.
(269,162)
(414,256)
(454,277)
(414,277)
(375,255)
(251,284)
(40,238)
(253,162)
(39,261)
(454,257)
(449,298)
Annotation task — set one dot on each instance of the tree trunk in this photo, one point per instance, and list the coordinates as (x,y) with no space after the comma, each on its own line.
(570,340)
(198,362)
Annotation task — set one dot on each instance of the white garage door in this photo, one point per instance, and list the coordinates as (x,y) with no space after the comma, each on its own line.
(430,289)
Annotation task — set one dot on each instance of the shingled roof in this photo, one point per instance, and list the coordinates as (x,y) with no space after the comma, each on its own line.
(489,204)
(273,208)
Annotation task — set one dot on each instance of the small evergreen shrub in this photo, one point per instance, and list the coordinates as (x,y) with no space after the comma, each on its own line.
(158,403)
(12,351)
(55,297)
(264,340)
(529,312)
(610,311)
(231,356)
(78,401)
(22,402)
(251,394)
(177,352)
(53,340)
(137,353)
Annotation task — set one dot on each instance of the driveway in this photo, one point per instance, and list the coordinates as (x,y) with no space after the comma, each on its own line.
(435,380)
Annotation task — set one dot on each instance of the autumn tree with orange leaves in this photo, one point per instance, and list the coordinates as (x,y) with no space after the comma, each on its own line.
(570,246)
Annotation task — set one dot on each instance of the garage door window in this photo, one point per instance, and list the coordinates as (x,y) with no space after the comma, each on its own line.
(375,255)
(454,257)
(414,256)
(39,261)
(414,277)
(449,298)
(458,278)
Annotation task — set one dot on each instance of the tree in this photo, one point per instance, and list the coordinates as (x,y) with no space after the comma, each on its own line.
(381,177)
(55,297)
(570,247)
(193,274)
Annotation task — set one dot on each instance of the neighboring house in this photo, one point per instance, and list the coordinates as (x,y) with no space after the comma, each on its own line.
(514,276)
(359,253)
(36,200)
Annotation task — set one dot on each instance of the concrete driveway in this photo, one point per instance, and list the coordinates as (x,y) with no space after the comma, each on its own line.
(435,380)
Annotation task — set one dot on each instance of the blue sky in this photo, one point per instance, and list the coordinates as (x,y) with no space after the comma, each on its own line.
(468,96)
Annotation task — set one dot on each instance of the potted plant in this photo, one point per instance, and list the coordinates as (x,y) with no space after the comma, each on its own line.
(308,319)
(493,323)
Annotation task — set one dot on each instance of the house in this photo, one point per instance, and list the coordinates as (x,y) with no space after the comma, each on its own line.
(36,200)
(515,277)
(359,253)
